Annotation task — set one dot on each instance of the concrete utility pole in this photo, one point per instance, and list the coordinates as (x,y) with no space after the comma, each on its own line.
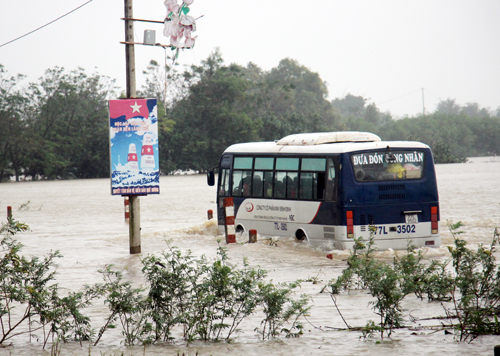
(134,202)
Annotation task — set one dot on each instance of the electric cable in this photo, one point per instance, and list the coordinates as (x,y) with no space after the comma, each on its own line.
(431,94)
(60,17)
(383,102)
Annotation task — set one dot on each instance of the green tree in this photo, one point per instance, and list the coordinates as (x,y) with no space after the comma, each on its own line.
(13,135)
(358,116)
(306,95)
(448,106)
(487,130)
(214,105)
(473,110)
(451,132)
(167,86)
(212,117)
(70,125)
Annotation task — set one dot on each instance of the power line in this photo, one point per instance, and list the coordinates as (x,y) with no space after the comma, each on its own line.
(399,97)
(60,17)
(432,94)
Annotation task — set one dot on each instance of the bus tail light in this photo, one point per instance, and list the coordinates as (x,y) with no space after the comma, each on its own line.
(350,224)
(434,220)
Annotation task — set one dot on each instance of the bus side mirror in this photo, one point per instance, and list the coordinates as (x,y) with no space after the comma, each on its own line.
(210,178)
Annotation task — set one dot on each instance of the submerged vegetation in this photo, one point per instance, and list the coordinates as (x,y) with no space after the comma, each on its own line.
(30,302)
(57,126)
(467,284)
(200,299)
(195,298)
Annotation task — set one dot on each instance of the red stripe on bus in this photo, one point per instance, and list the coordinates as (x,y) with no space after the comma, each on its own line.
(319,206)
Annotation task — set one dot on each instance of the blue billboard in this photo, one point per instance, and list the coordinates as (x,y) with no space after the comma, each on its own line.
(133,137)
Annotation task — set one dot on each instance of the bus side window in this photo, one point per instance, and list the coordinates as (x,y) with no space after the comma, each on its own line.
(224,183)
(257,184)
(312,185)
(247,183)
(306,182)
(312,178)
(279,186)
(291,185)
(320,185)
(268,184)
(237,183)
(242,183)
(330,182)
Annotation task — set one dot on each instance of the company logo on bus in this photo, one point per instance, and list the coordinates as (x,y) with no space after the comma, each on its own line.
(248,207)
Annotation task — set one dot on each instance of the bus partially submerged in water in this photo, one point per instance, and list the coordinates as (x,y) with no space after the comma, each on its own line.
(329,188)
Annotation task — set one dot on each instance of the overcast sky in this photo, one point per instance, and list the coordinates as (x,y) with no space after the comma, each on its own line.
(383,50)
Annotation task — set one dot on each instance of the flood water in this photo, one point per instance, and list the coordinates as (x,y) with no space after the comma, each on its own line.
(82,220)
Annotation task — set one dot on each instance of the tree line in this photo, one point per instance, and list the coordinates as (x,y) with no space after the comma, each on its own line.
(57,126)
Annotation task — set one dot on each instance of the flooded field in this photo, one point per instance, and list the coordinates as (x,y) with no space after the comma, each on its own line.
(82,220)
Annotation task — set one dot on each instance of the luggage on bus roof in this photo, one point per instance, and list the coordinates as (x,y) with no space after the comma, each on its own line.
(319,138)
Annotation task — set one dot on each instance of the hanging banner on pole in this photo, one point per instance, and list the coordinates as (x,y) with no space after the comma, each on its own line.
(133,133)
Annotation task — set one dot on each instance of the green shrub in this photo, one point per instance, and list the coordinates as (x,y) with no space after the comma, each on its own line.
(473,286)
(477,282)
(30,302)
(280,308)
(206,300)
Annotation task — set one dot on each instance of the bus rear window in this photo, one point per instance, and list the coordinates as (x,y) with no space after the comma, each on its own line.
(387,166)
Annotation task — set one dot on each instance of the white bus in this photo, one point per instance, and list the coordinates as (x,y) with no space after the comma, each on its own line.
(329,188)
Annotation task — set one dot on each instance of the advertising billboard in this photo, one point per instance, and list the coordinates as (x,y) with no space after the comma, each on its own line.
(133,133)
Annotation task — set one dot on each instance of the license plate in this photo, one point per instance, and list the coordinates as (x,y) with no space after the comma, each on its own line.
(411,218)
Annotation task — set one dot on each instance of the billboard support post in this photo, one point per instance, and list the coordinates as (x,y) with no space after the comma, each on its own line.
(134,202)
(135,224)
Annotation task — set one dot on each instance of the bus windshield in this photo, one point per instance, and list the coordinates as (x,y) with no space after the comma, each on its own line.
(387,165)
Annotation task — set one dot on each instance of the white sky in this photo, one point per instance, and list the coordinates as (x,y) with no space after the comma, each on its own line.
(383,50)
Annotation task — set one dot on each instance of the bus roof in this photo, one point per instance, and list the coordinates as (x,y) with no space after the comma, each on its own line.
(320,138)
(324,142)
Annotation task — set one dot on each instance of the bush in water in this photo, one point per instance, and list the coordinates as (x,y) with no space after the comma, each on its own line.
(382,280)
(473,287)
(476,297)
(281,308)
(207,300)
(30,302)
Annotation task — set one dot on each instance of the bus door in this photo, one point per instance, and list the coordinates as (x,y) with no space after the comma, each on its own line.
(223,186)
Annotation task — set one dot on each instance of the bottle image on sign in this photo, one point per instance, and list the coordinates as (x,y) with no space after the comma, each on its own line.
(132,162)
(147,154)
